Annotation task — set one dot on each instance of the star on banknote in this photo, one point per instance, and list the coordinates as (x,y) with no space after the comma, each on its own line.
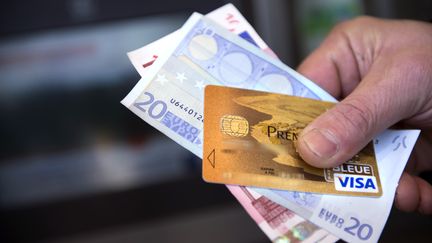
(161,79)
(181,77)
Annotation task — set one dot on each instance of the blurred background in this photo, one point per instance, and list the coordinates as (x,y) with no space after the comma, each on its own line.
(77,166)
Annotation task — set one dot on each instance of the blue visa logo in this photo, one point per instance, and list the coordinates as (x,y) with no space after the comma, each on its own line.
(355,183)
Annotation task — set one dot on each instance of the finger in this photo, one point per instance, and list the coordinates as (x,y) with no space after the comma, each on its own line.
(338,134)
(407,193)
(339,62)
(425,204)
(320,68)
(414,193)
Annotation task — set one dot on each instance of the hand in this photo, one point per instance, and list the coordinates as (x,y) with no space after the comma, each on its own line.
(382,71)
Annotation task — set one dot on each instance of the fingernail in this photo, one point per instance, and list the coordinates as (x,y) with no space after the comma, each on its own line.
(321,142)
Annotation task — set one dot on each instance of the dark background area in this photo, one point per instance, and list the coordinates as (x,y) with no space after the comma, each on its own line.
(77,166)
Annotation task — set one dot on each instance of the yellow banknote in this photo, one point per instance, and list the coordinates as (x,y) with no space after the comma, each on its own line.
(250,139)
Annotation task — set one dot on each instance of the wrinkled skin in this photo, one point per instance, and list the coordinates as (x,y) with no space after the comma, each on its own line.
(382,72)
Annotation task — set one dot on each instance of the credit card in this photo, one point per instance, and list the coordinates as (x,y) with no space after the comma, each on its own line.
(250,140)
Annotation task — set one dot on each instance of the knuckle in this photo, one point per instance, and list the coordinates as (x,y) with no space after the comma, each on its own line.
(364,20)
(358,25)
(360,22)
(341,26)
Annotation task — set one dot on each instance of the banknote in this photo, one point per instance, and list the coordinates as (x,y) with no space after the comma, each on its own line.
(178,79)
(227,16)
(143,59)
(250,140)
(279,223)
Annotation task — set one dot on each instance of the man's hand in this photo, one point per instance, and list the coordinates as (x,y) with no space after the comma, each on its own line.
(382,69)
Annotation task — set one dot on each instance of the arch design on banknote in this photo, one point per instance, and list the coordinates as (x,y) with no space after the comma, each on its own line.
(232,65)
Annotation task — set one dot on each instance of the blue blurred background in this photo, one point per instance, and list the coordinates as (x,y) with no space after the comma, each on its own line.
(77,166)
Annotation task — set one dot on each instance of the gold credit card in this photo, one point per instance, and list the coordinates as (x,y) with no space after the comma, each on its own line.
(250,139)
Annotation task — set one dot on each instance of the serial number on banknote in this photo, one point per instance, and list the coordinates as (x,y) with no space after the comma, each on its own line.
(191,112)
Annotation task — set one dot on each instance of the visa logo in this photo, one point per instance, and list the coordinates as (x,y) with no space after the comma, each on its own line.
(355,183)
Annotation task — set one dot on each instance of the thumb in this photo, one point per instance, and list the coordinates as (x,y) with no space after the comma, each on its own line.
(341,132)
